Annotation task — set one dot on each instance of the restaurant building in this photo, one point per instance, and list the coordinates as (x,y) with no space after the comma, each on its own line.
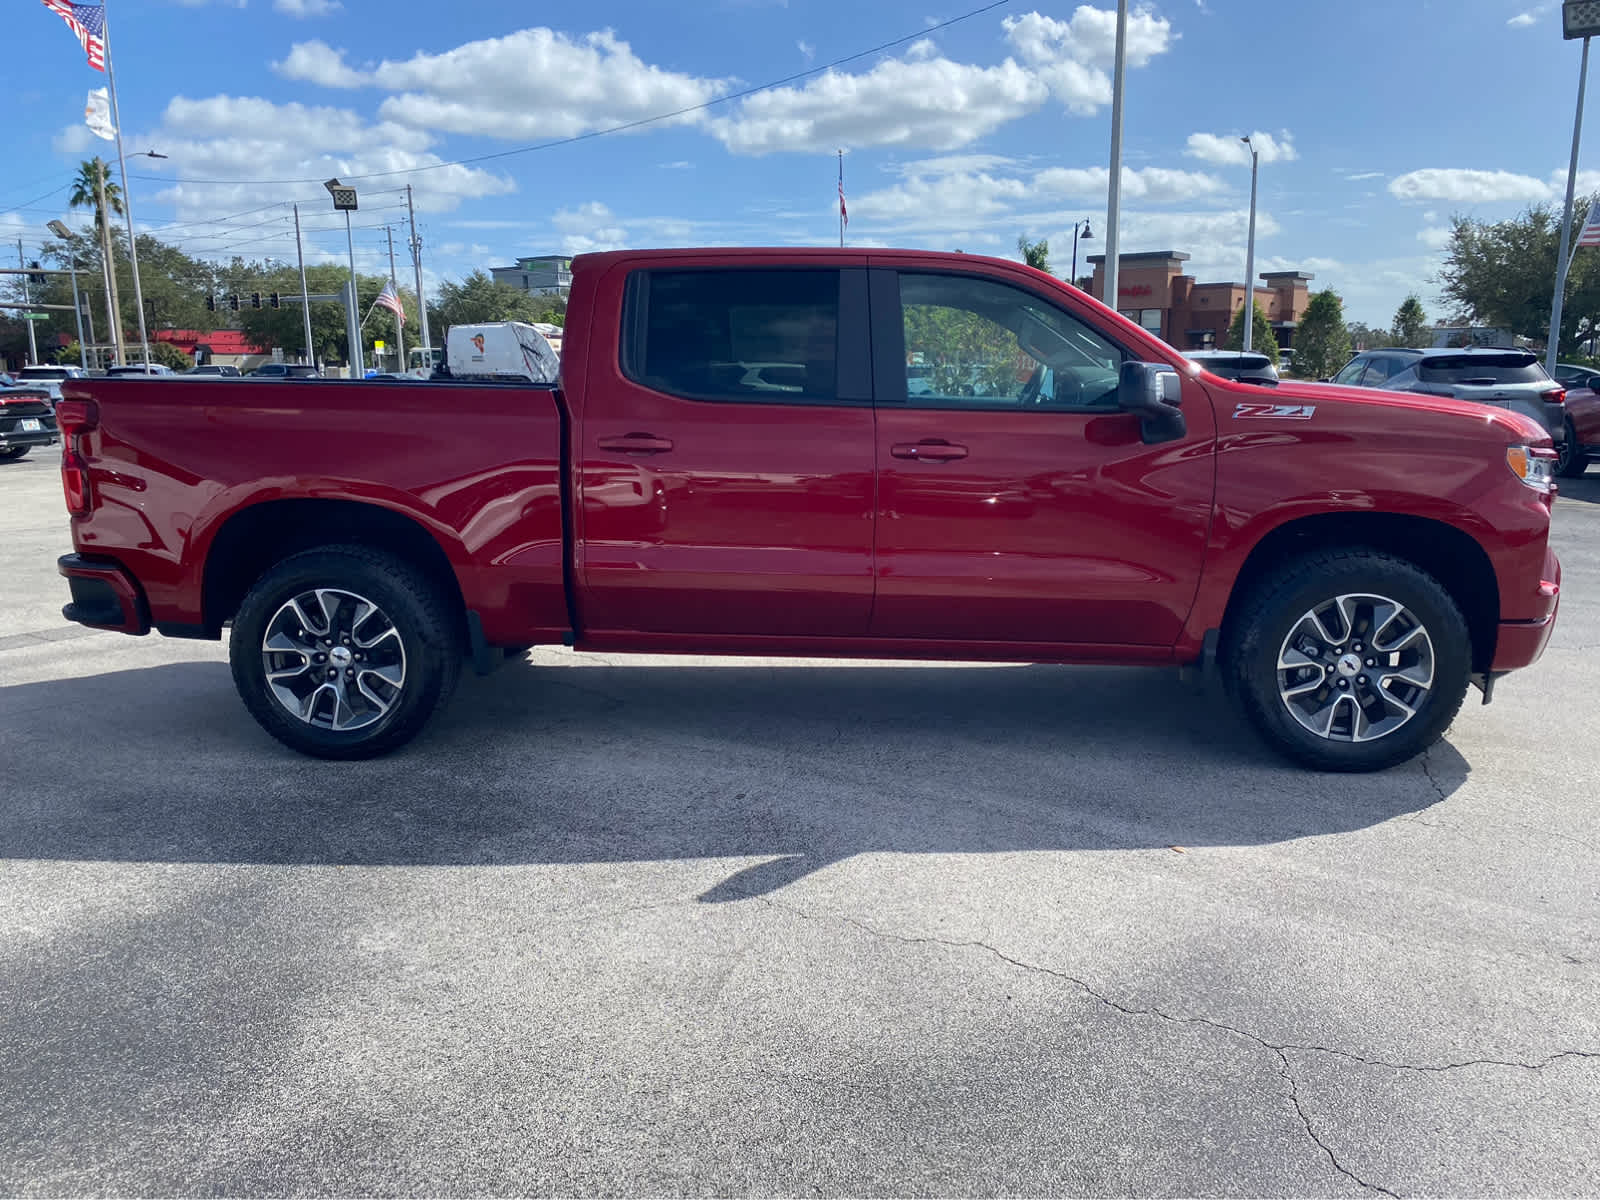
(1153,290)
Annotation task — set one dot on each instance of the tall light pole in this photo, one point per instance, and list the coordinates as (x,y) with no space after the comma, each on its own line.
(1088,235)
(61,231)
(1579,19)
(344,200)
(1114,194)
(1250,252)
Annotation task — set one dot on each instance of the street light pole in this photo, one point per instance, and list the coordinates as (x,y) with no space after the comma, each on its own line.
(1114,194)
(1579,19)
(1087,234)
(33,349)
(344,200)
(62,232)
(1250,253)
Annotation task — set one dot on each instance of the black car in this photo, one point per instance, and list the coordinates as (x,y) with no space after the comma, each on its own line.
(1504,377)
(214,371)
(1244,366)
(27,419)
(285,371)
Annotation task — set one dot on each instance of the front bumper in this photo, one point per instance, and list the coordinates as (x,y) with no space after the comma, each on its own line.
(1520,643)
(104,596)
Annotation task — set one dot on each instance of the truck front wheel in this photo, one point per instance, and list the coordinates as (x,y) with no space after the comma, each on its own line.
(344,652)
(1348,660)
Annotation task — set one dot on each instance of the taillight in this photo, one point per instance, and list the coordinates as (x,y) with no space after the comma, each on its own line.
(75,418)
(1559,396)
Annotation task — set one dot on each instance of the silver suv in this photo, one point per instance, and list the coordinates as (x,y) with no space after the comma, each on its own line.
(1506,378)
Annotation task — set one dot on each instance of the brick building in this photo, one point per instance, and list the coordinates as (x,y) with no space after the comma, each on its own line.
(1153,290)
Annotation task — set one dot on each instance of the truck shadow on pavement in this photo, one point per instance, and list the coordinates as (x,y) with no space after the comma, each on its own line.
(1585,487)
(795,766)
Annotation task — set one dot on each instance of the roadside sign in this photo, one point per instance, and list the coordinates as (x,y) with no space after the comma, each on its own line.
(378,346)
(35,316)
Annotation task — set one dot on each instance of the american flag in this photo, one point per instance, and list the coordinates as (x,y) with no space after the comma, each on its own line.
(844,213)
(1591,228)
(88,21)
(391,300)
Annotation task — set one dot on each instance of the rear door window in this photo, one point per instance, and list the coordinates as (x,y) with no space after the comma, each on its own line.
(1482,369)
(757,336)
(1351,372)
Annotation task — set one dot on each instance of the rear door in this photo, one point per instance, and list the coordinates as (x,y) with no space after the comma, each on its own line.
(1016,503)
(727,453)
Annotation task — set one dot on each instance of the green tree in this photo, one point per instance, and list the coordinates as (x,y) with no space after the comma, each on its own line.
(1261,335)
(1503,274)
(1364,337)
(284,328)
(479,298)
(1322,343)
(1035,254)
(1410,326)
(164,353)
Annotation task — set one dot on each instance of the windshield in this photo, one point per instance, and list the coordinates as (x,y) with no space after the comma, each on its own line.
(1482,369)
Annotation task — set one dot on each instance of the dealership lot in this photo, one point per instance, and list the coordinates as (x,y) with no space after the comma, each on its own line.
(638,925)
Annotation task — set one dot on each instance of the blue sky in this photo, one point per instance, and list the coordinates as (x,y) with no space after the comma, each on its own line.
(1382,120)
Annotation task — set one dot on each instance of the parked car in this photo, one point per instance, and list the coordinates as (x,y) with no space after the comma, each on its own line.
(284,371)
(49,377)
(215,370)
(1582,446)
(27,419)
(1111,504)
(1238,365)
(154,368)
(1503,377)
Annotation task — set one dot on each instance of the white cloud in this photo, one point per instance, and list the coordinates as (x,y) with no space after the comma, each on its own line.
(301,9)
(1461,186)
(1230,151)
(589,227)
(1359,176)
(74,139)
(319,63)
(807,50)
(536,83)
(1522,20)
(1434,237)
(1072,57)
(931,102)
(949,164)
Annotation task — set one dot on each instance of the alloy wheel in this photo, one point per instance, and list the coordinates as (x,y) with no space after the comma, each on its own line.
(334,659)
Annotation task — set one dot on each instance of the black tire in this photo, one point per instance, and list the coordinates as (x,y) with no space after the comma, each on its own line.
(13,453)
(1574,462)
(1279,604)
(408,603)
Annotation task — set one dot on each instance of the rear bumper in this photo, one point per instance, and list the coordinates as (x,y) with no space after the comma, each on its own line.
(1520,643)
(44,437)
(104,596)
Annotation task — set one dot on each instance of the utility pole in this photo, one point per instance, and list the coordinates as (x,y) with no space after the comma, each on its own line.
(400,322)
(422,301)
(108,264)
(1114,196)
(33,349)
(1250,254)
(305,298)
(1563,258)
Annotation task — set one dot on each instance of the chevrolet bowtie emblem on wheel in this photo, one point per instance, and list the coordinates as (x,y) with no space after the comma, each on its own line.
(1286,412)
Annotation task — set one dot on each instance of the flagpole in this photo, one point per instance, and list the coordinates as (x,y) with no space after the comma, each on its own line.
(841,199)
(400,322)
(127,189)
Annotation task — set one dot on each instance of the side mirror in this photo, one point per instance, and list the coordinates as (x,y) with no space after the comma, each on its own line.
(1153,391)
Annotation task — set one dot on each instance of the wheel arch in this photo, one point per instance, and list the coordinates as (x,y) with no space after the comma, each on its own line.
(255,538)
(1450,555)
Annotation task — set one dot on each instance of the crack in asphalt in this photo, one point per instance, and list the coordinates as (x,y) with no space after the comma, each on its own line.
(1280,1050)
(1311,1132)
(1427,769)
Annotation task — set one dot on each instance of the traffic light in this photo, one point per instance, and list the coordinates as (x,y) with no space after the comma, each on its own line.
(211,302)
(233,303)
(255,299)
(273,299)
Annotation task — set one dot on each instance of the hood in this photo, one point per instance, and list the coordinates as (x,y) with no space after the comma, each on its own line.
(1503,426)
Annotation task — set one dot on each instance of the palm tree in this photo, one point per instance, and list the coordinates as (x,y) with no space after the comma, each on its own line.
(92,188)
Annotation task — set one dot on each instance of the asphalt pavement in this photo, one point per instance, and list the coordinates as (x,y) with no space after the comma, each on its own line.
(641,925)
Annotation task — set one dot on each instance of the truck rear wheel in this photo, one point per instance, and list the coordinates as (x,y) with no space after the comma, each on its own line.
(344,652)
(1349,660)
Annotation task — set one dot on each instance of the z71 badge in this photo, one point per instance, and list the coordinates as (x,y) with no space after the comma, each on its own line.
(1283,412)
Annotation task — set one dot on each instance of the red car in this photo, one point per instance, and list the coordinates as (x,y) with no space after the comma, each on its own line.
(1583,418)
(734,460)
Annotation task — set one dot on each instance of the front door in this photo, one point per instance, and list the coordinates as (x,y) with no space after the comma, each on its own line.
(1016,503)
(727,456)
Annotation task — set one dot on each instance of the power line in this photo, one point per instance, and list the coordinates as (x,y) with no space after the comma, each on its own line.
(627,125)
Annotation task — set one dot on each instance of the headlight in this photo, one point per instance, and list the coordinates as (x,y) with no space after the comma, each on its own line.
(1534,465)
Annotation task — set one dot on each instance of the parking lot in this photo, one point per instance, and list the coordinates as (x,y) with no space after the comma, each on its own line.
(655,926)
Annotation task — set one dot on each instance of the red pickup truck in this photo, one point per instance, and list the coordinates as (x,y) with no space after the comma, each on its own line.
(823,452)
